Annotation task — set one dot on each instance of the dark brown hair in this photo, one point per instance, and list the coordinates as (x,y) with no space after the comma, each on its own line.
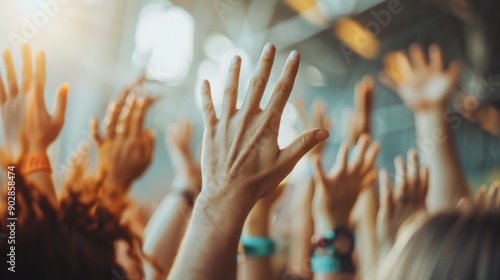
(76,241)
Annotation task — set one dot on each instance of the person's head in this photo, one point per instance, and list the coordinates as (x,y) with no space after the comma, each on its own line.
(75,241)
(447,245)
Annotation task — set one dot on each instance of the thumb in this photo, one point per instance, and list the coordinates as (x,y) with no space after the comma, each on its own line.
(61,102)
(303,144)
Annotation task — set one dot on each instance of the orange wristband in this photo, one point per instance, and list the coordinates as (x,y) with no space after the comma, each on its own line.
(36,162)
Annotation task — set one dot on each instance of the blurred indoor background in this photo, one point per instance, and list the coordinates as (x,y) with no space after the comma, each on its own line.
(100,46)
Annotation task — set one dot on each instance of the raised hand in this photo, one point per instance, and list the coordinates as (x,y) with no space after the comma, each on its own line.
(426,88)
(337,192)
(125,149)
(24,113)
(318,118)
(485,115)
(361,118)
(186,165)
(241,162)
(240,155)
(484,200)
(401,202)
(491,198)
(422,84)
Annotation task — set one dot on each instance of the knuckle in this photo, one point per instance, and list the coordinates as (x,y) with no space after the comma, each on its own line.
(290,68)
(230,90)
(267,58)
(207,106)
(282,88)
(305,144)
(258,83)
(234,69)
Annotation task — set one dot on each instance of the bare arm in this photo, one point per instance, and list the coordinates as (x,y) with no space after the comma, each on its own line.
(335,194)
(29,128)
(257,225)
(435,138)
(302,225)
(426,87)
(165,229)
(164,233)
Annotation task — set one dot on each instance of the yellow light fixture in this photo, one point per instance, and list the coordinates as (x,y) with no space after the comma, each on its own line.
(358,38)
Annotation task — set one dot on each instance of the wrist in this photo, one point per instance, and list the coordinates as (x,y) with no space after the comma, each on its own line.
(225,208)
(324,224)
(32,149)
(435,112)
(257,246)
(257,223)
(36,162)
(333,252)
(229,197)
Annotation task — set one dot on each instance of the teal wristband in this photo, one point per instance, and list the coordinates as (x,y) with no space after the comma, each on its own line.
(325,264)
(258,246)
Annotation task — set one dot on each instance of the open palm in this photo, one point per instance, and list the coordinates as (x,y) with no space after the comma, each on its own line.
(420,83)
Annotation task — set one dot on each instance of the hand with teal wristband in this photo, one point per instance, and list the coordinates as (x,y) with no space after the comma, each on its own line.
(333,252)
(257,248)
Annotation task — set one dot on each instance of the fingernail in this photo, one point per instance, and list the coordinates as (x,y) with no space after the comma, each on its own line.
(269,48)
(294,55)
(235,59)
(321,135)
(66,87)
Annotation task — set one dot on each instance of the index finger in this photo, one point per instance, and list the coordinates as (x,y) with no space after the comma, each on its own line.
(114,111)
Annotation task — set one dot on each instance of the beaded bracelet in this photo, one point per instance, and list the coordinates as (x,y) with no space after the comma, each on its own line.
(36,162)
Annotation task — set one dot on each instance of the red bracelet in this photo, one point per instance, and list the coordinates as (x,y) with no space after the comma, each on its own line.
(36,162)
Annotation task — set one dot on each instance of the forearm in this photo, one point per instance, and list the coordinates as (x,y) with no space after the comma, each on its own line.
(300,244)
(37,169)
(302,229)
(209,248)
(322,225)
(256,268)
(164,232)
(437,149)
(366,238)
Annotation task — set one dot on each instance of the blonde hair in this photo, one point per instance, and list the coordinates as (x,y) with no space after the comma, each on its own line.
(447,246)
